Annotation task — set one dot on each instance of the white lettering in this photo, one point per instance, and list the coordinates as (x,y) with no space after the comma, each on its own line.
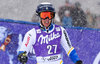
(47,38)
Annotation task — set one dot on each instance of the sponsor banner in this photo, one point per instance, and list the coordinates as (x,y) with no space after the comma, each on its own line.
(86,43)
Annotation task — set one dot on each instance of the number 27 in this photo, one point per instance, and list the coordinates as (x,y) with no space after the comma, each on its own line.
(49,47)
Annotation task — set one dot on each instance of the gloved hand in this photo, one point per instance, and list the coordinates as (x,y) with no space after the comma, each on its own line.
(23,57)
(79,62)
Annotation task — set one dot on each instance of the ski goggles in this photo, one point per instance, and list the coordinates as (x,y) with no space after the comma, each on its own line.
(45,15)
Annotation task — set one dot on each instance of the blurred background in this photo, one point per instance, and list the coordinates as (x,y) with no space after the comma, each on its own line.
(69,13)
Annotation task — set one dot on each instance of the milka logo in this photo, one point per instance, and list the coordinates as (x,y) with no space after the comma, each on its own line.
(47,38)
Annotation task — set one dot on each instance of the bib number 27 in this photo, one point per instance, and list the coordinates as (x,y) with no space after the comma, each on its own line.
(52,47)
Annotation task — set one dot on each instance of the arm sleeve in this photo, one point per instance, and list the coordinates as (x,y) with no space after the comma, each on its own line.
(28,41)
(66,44)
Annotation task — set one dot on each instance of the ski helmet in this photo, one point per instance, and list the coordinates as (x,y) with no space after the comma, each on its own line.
(45,6)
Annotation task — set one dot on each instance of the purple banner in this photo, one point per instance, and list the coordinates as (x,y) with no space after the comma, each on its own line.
(86,43)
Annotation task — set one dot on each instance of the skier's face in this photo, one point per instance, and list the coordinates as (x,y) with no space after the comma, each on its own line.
(46,22)
(46,18)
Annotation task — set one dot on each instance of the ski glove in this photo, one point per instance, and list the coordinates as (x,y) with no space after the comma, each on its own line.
(23,57)
(79,62)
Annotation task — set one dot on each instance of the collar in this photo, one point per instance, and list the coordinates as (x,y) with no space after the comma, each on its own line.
(44,28)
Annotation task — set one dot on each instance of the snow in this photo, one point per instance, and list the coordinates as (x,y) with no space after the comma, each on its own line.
(24,9)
